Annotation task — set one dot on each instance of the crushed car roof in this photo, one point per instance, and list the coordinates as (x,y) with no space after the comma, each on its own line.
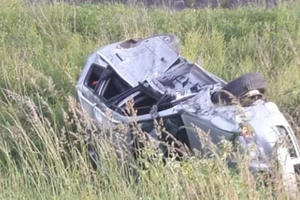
(139,60)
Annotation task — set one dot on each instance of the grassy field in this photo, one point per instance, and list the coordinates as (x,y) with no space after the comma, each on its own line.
(42,131)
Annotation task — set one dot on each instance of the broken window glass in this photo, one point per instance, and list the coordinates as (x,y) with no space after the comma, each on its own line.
(112,85)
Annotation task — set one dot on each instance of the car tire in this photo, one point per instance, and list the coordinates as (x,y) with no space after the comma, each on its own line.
(250,81)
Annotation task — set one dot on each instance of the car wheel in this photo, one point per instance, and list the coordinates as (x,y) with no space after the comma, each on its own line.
(250,81)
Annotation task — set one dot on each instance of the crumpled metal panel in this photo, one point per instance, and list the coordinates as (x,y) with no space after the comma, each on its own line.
(149,59)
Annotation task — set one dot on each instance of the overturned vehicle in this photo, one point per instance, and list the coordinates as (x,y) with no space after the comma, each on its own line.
(164,85)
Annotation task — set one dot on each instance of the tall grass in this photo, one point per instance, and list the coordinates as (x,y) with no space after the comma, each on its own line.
(43,133)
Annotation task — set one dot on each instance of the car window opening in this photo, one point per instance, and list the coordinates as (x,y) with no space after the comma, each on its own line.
(146,98)
(94,75)
(117,93)
(114,86)
(142,103)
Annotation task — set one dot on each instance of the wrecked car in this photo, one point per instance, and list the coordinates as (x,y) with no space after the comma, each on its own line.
(165,85)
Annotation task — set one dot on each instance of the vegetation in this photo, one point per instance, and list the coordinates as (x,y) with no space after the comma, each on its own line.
(43,48)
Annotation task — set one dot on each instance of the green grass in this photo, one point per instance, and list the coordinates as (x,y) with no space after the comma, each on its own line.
(42,51)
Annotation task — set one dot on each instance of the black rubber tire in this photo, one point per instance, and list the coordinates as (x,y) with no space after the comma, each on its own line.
(250,81)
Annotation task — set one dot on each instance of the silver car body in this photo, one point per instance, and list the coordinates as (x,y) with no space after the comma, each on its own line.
(155,63)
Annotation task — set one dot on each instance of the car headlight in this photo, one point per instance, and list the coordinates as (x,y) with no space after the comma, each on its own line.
(247,137)
(247,130)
